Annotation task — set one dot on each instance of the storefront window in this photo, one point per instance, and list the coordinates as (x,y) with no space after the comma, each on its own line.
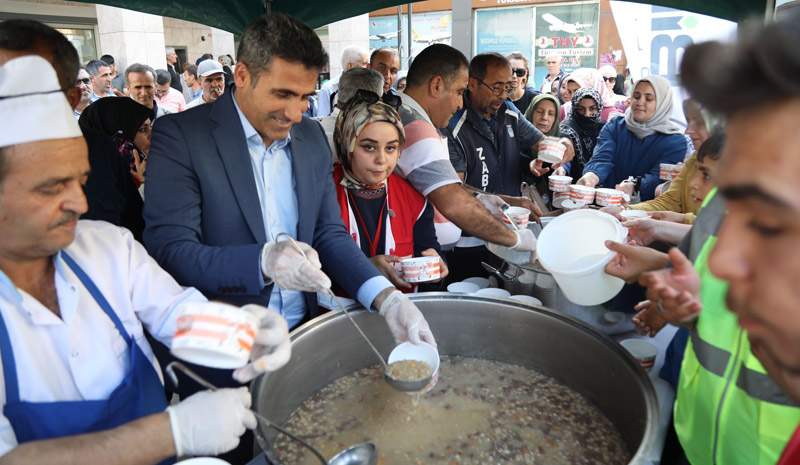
(83,38)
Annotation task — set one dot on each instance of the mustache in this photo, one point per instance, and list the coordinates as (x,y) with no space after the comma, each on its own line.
(66,218)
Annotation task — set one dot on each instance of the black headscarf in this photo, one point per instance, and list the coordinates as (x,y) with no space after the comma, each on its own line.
(112,114)
(583,130)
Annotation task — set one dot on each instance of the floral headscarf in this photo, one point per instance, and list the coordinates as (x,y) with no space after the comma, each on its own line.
(353,118)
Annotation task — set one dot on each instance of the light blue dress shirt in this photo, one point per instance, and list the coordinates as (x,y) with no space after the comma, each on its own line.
(275,183)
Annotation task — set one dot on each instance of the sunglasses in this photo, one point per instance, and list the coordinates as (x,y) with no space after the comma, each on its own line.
(85,81)
(610,79)
(372,98)
(520,72)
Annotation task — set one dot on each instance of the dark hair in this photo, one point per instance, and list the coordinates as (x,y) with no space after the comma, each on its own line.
(375,52)
(208,56)
(712,147)
(163,77)
(479,66)
(108,59)
(139,68)
(283,36)
(713,72)
(435,60)
(25,34)
(93,67)
(191,69)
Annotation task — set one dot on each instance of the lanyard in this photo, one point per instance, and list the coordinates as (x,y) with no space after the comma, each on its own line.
(373,244)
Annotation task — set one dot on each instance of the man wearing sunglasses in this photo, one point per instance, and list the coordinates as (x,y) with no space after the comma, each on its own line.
(485,139)
(84,83)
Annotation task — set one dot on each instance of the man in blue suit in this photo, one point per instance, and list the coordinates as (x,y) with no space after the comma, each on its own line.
(225,179)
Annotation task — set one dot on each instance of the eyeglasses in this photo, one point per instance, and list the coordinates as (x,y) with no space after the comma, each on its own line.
(610,79)
(85,81)
(520,72)
(497,91)
(372,98)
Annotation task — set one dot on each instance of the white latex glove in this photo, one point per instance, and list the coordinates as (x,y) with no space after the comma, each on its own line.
(405,321)
(271,348)
(526,241)
(492,203)
(282,263)
(211,422)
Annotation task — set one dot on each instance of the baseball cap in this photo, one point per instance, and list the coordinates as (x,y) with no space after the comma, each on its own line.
(209,67)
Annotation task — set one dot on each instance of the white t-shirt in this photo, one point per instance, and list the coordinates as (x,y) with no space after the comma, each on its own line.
(82,356)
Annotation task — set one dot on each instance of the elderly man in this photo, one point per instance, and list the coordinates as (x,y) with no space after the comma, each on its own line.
(554,71)
(100,73)
(387,62)
(142,87)
(172,58)
(212,83)
(81,384)
(167,97)
(353,56)
(351,82)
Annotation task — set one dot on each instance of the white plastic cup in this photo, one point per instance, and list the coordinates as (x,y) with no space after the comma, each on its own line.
(482,283)
(559,183)
(420,269)
(633,214)
(559,198)
(527,299)
(668,172)
(462,287)
(422,352)
(214,334)
(551,151)
(204,461)
(605,197)
(493,292)
(643,351)
(519,215)
(581,193)
(572,248)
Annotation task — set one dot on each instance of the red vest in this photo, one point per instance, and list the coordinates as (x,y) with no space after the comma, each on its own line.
(406,203)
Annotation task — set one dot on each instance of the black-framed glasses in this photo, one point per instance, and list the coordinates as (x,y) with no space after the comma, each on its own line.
(84,81)
(497,91)
(372,98)
(610,79)
(520,72)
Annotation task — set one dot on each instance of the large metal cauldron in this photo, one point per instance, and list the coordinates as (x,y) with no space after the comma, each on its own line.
(543,339)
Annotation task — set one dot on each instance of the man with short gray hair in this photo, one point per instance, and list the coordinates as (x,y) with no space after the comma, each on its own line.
(172,58)
(141,81)
(350,83)
(554,71)
(100,73)
(352,57)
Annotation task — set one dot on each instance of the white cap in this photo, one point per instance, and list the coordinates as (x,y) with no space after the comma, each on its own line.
(209,67)
(32,105)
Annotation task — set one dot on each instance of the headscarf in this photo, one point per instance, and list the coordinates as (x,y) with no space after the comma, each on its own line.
(561,82)
(555,129)
(114,114)
(659,122)
(584,129)
(590,77)
(353,118)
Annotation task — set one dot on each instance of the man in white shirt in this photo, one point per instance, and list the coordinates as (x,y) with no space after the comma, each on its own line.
(79,381)
(352,57)
(212,81)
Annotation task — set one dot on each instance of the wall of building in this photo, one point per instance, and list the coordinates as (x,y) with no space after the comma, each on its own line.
(352,31)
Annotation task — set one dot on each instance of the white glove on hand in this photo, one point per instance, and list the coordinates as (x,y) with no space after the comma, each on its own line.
(271,348)
(526,241)
(492,203)
(211,422)
(281,262)
(405,321)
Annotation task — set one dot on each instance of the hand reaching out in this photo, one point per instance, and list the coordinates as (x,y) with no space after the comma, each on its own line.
(385,264)
(676,291)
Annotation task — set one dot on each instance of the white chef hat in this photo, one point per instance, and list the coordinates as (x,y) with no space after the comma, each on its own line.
(32,105)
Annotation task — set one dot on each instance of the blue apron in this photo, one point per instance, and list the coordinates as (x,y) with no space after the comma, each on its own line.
(139,394)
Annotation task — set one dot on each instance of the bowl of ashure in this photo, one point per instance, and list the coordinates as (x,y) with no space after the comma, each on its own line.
(414,362)
(517,384)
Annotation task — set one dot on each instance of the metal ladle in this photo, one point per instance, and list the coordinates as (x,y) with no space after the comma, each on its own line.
(398,384)
(361,454)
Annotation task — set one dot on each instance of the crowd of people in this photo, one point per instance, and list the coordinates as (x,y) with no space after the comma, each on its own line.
(184,183)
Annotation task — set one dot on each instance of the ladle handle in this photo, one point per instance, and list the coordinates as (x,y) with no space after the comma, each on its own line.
(336,299)
(504,209)
(191,374)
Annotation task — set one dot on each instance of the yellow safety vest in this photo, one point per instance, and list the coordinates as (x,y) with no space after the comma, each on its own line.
(727,409)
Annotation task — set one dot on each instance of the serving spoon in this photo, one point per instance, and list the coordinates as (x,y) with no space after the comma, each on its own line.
(360,454)
(398,384)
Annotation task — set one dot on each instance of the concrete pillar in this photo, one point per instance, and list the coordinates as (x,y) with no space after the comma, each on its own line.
(462,27)
(352,31)
(131,37)
(197,39)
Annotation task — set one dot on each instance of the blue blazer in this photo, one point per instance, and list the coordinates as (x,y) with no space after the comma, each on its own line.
(202,214)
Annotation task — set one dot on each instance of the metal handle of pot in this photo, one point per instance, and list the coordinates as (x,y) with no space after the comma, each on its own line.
(496,272)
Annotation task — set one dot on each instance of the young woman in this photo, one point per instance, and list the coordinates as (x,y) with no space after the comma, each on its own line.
(638,143)
(383,213)
(582,127)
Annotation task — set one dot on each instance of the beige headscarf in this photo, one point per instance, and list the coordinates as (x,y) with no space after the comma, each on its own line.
(659,122)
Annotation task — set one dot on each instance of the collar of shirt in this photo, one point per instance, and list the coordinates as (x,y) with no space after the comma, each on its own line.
(67,296)
(413,104)
(252,135)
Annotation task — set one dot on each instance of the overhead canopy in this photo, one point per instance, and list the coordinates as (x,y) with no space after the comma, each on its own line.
(235,15)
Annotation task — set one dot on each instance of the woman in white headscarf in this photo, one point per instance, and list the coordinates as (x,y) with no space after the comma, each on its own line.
(638,143)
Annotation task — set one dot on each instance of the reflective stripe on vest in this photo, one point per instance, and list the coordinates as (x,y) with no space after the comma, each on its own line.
(728,411)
